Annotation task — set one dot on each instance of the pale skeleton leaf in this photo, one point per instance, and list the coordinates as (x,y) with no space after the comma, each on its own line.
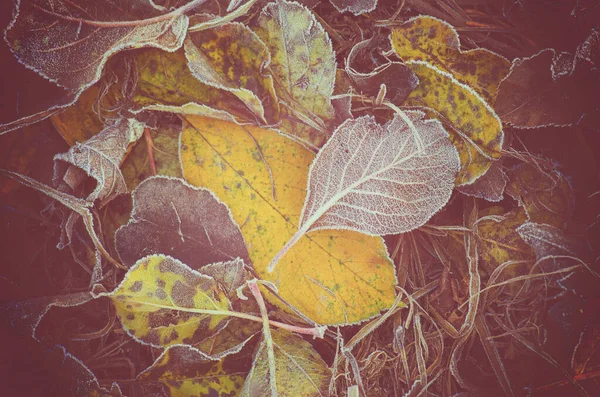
(379,179)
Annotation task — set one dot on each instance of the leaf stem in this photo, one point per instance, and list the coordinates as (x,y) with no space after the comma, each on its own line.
(119,24)
(286,248)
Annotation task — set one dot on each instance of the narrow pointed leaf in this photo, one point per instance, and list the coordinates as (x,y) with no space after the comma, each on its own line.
(161,302)
(333,276)
(300,370)
(173,218)
(303,66)
(99,158)
(232,57)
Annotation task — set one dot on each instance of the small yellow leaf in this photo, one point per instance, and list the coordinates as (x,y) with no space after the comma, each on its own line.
(425,38)
(160,302)
(232,57)
(182,371)
(300,371)
(332,276)
(475,129)
(303,67)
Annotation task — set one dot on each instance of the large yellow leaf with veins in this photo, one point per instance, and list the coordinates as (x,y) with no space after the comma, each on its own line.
(331,276)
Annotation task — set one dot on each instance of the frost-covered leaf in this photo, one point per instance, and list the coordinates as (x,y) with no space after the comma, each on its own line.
(490,186)
(99,158)
(475,129)
(368,75)
(303,68)
(550,89)
(232,57)
(546,195)
(173,218)
(357,7)
(300,371)
(425,38)
(331,276)
(69,42)
(378,179)
(159,148)
(163,82)
(163,302)
(184,371)
(547,240)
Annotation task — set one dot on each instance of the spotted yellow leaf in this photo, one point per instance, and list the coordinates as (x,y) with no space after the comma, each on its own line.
(303,68)
(475,129)
(425,38)
(232,57)
(332,276)
(163,302)
(182,371)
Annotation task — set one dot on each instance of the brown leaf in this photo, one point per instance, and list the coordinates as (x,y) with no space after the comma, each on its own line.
(173,218)
(490,186)
(99,158)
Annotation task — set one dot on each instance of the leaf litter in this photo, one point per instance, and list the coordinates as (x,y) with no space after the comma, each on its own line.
(306,133)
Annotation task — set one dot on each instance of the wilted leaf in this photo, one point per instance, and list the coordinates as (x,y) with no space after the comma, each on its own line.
(356,7)
(550,89)
(368,75)
(161,302)
(79,122)
(425,38)
(546,196)
(333,277)
(173,218)
(163,82)
(184,371)
(303,68)
(490,186)
(546,239)
(301,372)
(160,147)
(475,129)
(233,58)
(99,158)
(69,43)
(379,179)
(499,241)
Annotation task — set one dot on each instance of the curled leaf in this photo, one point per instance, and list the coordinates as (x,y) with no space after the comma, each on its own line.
(163,302)
(99,158)
(332,276)
(232,57)
(69,43)
(379,179)
(490,186)
(475,129)
(173,218)
(425,38)
(303,68)
(357,7)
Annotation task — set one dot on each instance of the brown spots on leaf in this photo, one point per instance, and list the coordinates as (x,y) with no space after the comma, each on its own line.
(160,294)
(183,294)
(130,316)
(136,286)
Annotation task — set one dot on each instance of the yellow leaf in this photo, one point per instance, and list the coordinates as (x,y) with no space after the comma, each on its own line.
(303,67)
(184,372)
(164,82)
(232,57)
(425,38)
(160,302)
(300,371)
(475,129)
(332,276)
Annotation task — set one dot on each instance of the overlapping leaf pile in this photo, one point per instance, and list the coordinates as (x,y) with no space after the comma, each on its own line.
(236,152)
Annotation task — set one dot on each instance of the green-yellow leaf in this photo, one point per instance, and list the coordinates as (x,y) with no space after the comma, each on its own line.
(425,38)
(475,129)
(332,276)
(182,371)
(300,371)
(303,67)
(232,57)
(163,302)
